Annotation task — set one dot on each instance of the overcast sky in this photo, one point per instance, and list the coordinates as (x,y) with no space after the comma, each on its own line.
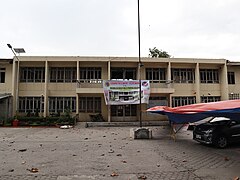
(183,28)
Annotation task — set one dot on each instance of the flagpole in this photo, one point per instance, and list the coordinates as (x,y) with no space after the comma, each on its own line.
(139,66)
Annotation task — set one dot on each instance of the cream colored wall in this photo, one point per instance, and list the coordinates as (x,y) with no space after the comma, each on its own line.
(234,88)
(184,89)
(210,90)
(32,64)
(124,64)
(7,86)
(66,63)
(31,89)
(62,89)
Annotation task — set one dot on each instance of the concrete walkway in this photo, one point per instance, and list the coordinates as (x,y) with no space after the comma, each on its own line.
(109,153)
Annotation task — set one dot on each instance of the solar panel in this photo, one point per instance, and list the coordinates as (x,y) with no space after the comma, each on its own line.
(19,50)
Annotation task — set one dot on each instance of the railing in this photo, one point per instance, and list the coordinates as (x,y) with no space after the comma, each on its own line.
(97,83)
(83,83)
(161,83)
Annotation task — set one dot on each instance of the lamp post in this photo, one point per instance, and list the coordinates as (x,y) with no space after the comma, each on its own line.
(139,66)
(16,50)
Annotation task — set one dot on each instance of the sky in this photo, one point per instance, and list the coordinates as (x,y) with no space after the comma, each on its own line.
(183,28)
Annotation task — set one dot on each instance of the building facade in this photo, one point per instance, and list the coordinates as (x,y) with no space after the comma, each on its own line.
(51,84)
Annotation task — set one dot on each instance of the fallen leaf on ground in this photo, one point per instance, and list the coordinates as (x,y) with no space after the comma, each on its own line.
(226,159)
(11,170)
(142,177)
(33,170)
(123,161)
(119,154)
(114,174)
(22,150)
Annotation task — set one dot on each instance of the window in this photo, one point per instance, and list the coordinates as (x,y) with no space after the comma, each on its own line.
(183,75)
(124,110)
(63,74)
(209,76)
(206,99)
(90,73)
(2,75)
(231,77)
(90,104)
(123,73)
(31,104)
(183,100)
(233,96)
(32,74)
(157,101)
(60,104)
(156,75)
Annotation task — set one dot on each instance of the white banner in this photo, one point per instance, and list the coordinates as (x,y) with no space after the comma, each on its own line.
(117,92)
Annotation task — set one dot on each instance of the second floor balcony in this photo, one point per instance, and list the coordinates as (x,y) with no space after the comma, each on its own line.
(95,86)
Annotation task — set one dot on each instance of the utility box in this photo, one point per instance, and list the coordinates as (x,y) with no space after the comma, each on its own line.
(140,133)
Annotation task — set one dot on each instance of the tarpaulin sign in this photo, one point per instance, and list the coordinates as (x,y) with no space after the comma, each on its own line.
(120,92)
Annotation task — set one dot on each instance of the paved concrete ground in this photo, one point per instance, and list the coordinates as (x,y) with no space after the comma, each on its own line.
(99,152)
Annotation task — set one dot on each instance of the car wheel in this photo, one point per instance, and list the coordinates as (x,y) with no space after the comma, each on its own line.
(221,142)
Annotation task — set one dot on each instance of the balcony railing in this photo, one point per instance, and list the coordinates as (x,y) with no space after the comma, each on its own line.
(97,83)
(89,83)
(161,83)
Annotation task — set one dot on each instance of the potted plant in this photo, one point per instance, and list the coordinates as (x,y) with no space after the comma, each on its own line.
(15,121)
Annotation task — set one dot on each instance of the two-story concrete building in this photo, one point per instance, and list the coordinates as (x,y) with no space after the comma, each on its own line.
(50,84)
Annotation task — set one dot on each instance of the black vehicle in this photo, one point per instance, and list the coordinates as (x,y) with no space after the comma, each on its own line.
(219,131)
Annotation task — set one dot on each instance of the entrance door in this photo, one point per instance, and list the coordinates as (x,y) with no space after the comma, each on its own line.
(124,113)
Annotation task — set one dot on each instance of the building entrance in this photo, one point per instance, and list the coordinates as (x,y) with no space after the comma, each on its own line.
(124,113)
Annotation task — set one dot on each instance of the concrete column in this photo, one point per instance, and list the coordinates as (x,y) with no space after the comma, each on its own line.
(169,83)
(169,72)
(14,86)
(109,77)
(109,70)
(17,85)
(197,83)
(78,73)
(224,82)
(45,112)
(77,99)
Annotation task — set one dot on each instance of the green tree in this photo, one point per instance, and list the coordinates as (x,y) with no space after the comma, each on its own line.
(155,53)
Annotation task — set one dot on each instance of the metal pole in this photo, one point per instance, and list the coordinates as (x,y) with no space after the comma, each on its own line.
(17,78)
(140,65)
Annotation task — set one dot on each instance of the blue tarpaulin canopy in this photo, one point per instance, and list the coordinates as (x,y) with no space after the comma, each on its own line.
(196,112)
